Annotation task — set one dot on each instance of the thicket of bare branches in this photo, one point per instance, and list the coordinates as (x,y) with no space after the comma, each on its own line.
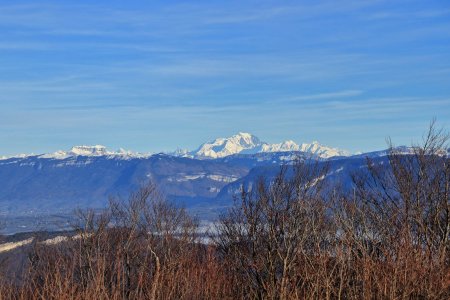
(271,238)
(145,248)
(293,237)
(398,222)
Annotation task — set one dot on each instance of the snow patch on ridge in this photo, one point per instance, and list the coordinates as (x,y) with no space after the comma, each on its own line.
(214,177)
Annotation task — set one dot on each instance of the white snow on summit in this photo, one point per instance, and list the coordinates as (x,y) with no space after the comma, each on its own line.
(93,151)
(246,143)
(319,150)
(97,150)
(16,156)
(281,147)
(221,147)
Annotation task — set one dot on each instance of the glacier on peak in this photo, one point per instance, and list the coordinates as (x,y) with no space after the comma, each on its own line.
(322,151)
(239,143)
(97,150)
(281,147)
(246,143)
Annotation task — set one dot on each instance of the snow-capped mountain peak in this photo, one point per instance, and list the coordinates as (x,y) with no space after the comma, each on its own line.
(221,147)
(246,139)
(288,145)
(97,150)
(316,149)
(246,143)
(93,151)
(23,155)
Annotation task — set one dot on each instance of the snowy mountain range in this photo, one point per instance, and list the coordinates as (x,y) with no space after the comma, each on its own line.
(241,143)
(94,151)
(246,143)
(87,151)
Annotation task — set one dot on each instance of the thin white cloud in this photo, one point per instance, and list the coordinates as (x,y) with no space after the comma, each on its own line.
(420,14)
(331,95)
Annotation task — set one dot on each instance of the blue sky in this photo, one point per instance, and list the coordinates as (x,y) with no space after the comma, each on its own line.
(157,75)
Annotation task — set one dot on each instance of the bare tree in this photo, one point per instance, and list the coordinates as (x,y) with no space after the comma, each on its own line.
(272,227)
(397,222)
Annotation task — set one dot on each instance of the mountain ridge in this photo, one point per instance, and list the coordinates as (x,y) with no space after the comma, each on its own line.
(240,143)
(246,143)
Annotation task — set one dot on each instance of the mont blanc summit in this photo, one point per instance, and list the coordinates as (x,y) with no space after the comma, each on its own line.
(246,143)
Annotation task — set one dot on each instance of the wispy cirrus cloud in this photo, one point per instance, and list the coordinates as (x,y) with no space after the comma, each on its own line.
(300,69)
